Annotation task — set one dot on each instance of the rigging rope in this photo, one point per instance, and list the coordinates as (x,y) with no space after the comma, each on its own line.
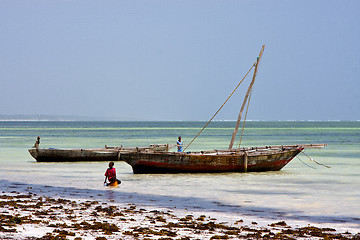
(305,163)
(220,107)
(314,160)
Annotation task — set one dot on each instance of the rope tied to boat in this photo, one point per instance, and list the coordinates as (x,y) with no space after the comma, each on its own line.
(314,160)
(305,163)
(221,106)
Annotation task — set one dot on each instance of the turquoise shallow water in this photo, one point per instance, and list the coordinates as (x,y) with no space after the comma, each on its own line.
(298,192)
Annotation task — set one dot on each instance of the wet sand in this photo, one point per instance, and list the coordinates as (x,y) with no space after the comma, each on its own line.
(33,216)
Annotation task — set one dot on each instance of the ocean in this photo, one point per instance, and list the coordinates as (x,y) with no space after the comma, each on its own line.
(302,191)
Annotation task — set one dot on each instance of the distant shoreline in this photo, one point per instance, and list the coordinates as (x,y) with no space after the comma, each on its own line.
(79,119)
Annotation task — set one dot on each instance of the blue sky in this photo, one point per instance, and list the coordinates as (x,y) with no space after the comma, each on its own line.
(179,60)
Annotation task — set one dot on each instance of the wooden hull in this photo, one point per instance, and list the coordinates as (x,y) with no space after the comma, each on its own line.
(94,154)
(210,162)
(74,155)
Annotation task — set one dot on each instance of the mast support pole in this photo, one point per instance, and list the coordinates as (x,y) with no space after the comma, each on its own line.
(245,99)
(245,161)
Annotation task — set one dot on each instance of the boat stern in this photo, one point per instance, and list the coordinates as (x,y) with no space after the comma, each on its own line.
(33,152)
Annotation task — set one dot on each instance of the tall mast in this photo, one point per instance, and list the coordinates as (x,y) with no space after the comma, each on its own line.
(245,99)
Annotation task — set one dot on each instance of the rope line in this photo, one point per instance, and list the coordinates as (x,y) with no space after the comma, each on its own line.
(305,163)
(315,161)
(220,107)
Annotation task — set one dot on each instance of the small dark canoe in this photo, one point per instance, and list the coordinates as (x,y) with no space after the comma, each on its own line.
(74,155)
(94,154)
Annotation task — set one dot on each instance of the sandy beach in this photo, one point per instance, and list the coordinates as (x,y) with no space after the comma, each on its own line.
(32,216)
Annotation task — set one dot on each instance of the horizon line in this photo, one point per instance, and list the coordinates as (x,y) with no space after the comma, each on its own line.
(117,120)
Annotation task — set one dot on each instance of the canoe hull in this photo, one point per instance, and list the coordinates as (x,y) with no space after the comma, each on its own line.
(73,155)
(208,163)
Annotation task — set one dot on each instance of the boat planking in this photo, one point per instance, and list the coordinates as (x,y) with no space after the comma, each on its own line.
(73,155)
(83,155)
(260,159)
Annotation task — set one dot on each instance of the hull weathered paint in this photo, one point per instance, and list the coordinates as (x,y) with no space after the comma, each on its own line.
(210,162)
(73,155)
(93,154)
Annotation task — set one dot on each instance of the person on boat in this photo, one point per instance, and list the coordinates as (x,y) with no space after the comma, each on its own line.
(179,144)
(37,143)
(110,174)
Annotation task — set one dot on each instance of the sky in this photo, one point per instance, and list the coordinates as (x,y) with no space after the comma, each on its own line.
(179,60)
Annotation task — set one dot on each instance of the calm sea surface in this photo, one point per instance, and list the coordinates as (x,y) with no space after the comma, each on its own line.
(302,190)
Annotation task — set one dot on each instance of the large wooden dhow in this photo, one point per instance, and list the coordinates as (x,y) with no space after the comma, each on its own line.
(269,158)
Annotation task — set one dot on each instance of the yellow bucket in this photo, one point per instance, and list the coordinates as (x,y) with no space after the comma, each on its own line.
(114,184)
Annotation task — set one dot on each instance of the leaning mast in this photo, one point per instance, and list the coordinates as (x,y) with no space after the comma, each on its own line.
(245,99)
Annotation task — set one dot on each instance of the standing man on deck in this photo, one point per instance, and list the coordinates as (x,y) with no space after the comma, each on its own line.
(179,144)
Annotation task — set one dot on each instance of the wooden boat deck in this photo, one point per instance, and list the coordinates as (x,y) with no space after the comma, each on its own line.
(268,158)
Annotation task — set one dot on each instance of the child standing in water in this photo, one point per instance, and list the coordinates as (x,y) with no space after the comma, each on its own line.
(110,174)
